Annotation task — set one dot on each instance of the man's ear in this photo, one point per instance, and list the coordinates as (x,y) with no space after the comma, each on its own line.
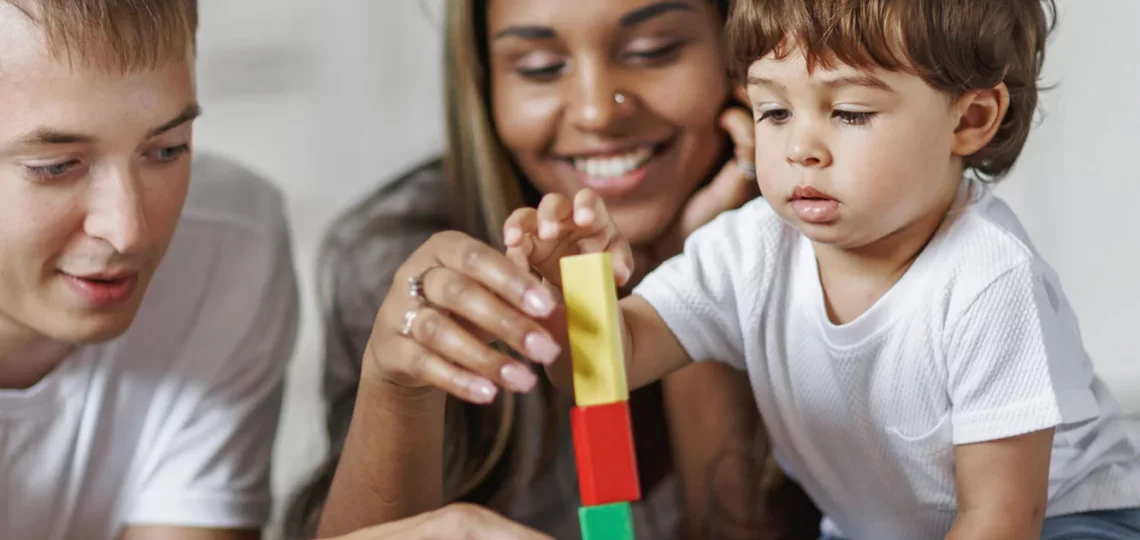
(980,114)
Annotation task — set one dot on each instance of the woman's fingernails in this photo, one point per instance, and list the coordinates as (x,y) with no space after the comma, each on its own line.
(518,377)
(483,391)
(538,302)
(512,236)
(541,348)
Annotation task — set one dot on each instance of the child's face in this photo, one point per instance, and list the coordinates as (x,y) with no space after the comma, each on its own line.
(850,157)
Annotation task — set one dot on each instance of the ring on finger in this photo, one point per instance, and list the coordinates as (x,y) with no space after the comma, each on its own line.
(410,319)
(416,285)
(746,167)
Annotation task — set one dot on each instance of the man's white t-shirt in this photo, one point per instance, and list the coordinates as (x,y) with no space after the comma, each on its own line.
(975,342)
(173,422)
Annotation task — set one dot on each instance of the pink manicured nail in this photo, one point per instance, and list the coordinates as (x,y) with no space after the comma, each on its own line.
(538,302)
(483,391)
(541,348)
(518,377)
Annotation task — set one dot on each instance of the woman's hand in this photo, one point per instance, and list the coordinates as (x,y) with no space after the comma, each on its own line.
(456,521)
(733,186)
(451,298)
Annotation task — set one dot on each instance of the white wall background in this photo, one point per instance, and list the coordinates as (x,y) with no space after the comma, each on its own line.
(329,98)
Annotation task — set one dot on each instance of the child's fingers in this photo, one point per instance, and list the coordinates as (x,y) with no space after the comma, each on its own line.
(554,214)
(520,223)
(599,233)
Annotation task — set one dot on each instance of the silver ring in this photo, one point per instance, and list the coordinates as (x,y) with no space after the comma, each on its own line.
(747,168)
(416,285)
(619,98)
(410,319)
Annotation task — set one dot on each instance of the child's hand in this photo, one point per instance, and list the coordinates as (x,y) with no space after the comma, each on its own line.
(538,238)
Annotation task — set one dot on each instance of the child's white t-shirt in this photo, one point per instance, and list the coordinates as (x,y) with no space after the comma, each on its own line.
(173,422)
(975,342)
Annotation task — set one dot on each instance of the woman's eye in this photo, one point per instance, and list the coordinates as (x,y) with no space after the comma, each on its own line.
(544,72)
(656,54)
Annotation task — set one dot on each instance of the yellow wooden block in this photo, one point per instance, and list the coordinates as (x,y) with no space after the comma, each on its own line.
(595,335)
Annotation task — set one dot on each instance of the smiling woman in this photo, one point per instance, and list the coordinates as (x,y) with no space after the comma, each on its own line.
(627,97)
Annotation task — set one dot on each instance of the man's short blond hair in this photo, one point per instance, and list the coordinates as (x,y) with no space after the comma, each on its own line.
(123,35)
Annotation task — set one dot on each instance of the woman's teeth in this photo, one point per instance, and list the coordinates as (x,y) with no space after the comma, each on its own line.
(618,165)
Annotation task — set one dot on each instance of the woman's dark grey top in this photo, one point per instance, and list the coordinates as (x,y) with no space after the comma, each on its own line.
(359,257)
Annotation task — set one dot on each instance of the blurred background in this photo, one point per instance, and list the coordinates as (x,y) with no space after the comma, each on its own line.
(330,99)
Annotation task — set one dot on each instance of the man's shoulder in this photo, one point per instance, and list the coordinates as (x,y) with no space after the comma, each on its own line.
(229,259)
(225,195)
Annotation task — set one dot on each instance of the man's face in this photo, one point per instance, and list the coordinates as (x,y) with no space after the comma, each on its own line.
(94,168)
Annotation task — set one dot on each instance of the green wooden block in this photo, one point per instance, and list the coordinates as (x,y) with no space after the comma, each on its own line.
(606,522)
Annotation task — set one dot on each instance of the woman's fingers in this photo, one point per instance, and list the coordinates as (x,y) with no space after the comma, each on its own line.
(423,364)
(734,185)
(738,123)
(468,299)
(445,341)
(495,272)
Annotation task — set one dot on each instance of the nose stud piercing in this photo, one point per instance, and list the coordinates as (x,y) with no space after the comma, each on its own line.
(619,98)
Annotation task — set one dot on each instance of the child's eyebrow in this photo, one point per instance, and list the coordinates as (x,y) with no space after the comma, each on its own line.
(762,81)
(857,80)
(838,82)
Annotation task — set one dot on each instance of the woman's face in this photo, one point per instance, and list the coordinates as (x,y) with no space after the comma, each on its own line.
(620,96)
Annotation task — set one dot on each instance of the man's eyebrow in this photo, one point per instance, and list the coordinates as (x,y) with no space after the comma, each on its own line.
(48,136)
(188,114)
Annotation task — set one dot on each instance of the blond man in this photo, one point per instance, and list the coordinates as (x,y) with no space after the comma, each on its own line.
(145,319)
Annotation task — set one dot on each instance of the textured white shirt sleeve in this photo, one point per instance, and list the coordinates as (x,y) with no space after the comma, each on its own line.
(1012,363)
(696,293)
(210,467)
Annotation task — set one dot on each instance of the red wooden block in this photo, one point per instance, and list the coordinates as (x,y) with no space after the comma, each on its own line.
(603,449)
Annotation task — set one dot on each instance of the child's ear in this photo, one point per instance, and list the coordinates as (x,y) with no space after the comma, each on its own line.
(981,113)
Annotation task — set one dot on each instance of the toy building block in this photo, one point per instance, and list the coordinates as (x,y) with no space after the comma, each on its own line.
(603,450)
(595,334)
(606,522)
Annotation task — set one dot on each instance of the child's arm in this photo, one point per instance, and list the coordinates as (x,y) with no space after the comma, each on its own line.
(1017,370)
(539,238)
(1002,487)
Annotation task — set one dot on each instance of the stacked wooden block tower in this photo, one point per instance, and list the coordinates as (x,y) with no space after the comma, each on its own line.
(603,438)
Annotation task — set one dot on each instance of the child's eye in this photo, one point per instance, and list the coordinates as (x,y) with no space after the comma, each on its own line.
(854,118)
(776,115)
